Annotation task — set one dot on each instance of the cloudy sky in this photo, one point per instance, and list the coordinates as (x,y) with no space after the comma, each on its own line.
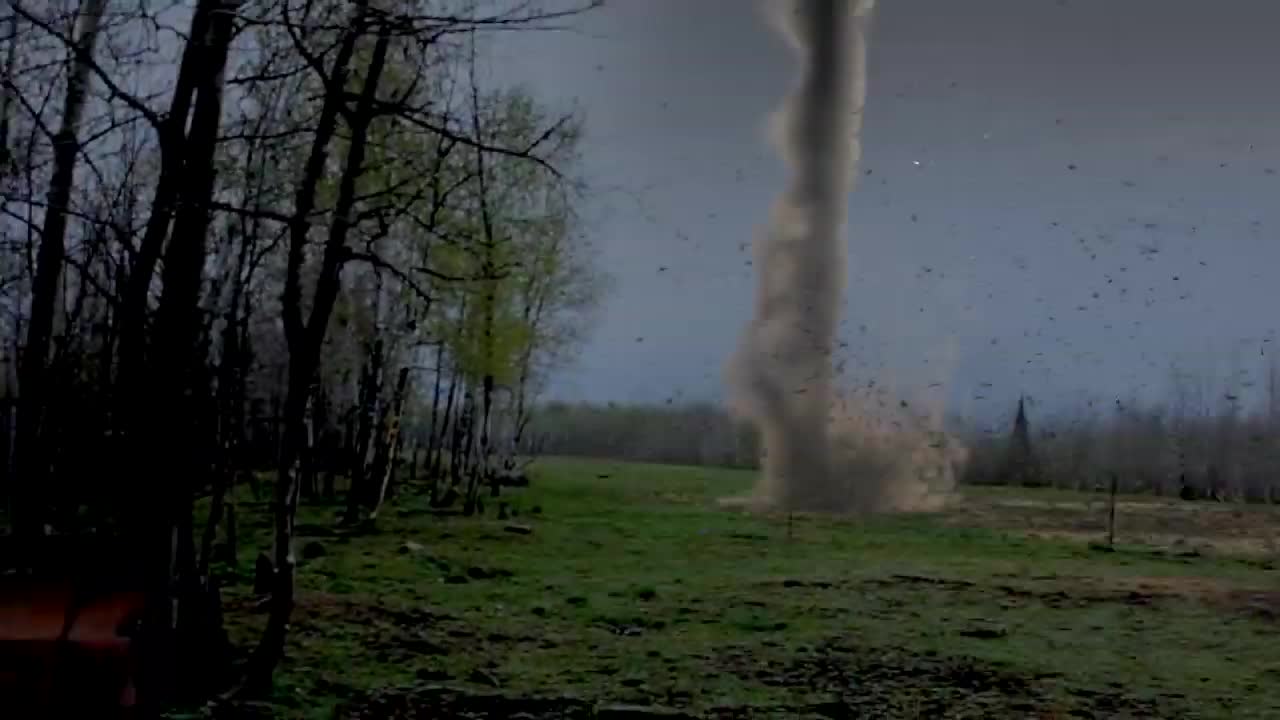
(1058,197)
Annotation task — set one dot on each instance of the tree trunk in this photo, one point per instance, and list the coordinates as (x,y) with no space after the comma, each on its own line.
(485,448)
(307,460)
(392,440)
(6,448)
(358,494)
(271,645)
(444,432)
(217,509)
(305,339)
(465,468)
(460,447)
(481,471)
(277,416)
(321,449)
(230,408)
(179,370)
(233,537)
(7,93)
(333,454)
(435,405)
(132,370)
(413,462)
(31,462)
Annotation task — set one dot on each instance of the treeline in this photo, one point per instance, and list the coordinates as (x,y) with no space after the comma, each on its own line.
(1227,455)
(292,236)
(1192,449)
(684,434)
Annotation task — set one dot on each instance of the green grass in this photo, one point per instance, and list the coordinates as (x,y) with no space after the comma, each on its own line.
(635,587)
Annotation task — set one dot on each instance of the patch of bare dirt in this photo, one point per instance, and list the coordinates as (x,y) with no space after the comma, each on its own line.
(868,682)
(1226,528)
(1262,603)
(858,683)
(435,701)
(1075,592)
(388,632)
(320,608)
(361,608)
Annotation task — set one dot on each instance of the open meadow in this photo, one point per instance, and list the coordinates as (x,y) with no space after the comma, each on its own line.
(623,590)
(312,313)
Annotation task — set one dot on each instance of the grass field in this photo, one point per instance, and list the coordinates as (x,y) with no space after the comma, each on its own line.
(634,588)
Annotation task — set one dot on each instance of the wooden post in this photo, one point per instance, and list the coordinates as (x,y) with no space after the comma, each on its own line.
(1111,511)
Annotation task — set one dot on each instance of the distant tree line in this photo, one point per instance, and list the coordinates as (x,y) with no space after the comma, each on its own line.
(1201,444)
(678,434)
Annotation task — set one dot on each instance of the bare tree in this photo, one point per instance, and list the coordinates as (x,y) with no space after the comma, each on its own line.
(31,452)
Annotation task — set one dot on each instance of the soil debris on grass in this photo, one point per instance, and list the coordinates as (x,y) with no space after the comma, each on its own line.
(871,682)
(440,701)
(985,631)
(857,682)
(623,711)
(646,597)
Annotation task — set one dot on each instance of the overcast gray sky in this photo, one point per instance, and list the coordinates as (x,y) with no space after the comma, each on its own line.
(1058,197)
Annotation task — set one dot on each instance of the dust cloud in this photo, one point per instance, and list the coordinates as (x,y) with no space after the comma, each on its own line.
(825,450)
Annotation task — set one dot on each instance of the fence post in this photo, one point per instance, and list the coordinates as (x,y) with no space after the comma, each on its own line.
(1111,511)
